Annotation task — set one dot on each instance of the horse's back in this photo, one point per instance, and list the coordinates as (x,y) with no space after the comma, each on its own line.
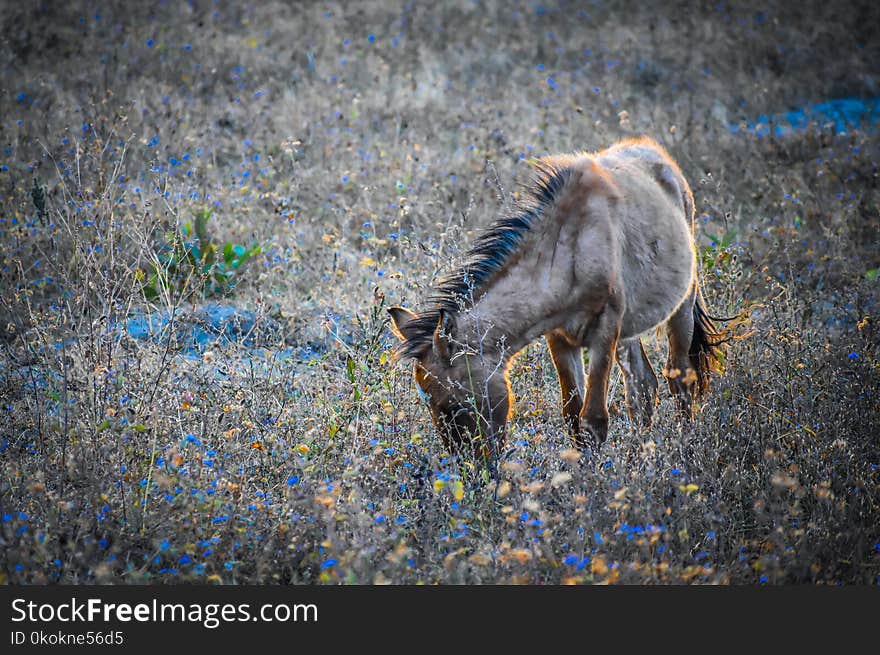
(643,158)
(651,219)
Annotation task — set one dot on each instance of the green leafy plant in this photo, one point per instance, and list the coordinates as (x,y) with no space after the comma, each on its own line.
(719,253)
(190,261)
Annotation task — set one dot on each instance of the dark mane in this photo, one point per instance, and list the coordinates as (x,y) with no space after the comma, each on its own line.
(488,255)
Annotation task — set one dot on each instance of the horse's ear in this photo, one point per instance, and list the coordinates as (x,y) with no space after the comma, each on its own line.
(401,320)
(443,336)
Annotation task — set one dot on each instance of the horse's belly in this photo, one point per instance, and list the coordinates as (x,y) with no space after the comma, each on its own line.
(636,323)
(653,294)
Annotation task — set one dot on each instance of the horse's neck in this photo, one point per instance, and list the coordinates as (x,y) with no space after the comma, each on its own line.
(515,310)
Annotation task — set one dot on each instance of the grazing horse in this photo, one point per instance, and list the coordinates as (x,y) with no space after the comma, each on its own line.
(600,252)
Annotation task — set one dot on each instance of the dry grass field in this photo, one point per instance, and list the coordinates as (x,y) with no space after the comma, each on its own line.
(206,208)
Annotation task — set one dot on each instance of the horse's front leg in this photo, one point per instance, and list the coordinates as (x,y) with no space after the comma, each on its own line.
(569,362)
(603,345)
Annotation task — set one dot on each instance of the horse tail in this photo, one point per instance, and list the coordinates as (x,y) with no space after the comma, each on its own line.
(706,352)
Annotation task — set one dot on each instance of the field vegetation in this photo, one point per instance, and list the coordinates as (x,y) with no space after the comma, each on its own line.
(207,207)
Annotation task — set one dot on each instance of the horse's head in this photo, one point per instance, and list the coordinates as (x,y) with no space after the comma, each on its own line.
(468,392)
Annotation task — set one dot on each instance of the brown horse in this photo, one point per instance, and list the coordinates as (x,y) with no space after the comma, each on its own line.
(600,252)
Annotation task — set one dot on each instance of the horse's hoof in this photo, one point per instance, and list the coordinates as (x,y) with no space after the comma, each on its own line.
(589,440)
(596,429)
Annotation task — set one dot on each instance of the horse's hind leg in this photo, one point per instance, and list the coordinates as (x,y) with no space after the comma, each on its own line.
(680,376)
(603,345)
(639,380)
(569,362)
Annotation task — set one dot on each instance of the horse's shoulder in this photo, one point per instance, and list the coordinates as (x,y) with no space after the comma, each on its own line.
(593,177)
(591,185)
(587,178)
